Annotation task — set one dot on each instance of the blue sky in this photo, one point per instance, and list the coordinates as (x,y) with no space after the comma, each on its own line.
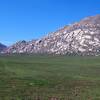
(32,19)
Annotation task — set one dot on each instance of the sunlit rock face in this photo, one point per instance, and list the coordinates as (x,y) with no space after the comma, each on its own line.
(81,38)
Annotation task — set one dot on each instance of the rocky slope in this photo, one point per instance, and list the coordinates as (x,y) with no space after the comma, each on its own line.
(82,38)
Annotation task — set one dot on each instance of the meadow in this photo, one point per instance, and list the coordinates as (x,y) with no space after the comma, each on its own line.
(45,77)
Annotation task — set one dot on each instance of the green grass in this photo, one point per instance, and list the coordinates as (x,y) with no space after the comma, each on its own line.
(38,77)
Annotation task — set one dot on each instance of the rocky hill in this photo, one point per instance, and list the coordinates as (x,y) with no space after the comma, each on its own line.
(82,38)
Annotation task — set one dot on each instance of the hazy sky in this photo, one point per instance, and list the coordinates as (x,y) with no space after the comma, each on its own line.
(31,19)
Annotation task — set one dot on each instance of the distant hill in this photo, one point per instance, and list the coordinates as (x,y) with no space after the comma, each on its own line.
(2,47)
(81,38)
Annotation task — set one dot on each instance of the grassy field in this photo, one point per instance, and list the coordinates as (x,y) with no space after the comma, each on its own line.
(37,77)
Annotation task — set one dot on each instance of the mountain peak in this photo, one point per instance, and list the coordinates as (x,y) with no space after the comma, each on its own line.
(92,19)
